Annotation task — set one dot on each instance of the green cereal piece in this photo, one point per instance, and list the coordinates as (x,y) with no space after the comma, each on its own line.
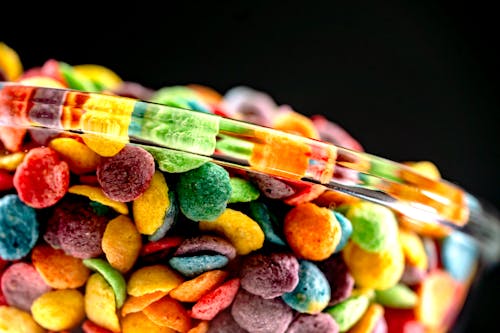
(399,296)
(112,276)
(204,192)
(76,80)
(374,226)
(176,96)
(172,161)
(267,221)
(348,312)
(242,190)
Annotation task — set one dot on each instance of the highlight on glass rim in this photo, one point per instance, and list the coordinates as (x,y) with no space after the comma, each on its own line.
(183,209)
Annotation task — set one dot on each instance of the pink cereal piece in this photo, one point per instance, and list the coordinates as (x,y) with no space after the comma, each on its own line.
(210,304)
(42,179)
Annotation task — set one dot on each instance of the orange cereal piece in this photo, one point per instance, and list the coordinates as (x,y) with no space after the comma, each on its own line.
(153,278)
(312,232)
(10,162)
(139,303)
(138,322)
(209,95)
(96,194)
(332,199)
(296,123)
(370,318)
(413,248)
(80,158)
(57,269)
(170,313)
(90,327)
(121,243)
(202,327)
(100,304)
(192,290)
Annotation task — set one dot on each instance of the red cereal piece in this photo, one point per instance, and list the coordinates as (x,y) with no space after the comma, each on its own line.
(209,305)
(402,321)
(90,180)
(42,179)
(306,194)
(6,181)
(90,327)
(161,245)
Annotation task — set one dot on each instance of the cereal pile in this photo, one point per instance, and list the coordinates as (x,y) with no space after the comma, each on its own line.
(99,234)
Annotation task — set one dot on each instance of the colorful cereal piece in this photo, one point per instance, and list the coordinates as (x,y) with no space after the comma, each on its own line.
(242,190)
(312,293)
(42,179)
(59,309)
(346,230)
(170,313)
(112,276)
(121,243)
(196,265)
(139,323)
(151,207)
(267,221)
(271,187)
(10,162)
(127,175)
(320,322)
(243,232)
(153,278)
(90,327)
(79,229)
(270,275)
(13,320)
(80,158)
(374,226)
(96,194)
(290,121)
(192,290)
(257,314)
(312,232)
(338,276)
(18,228)
(102,77)
(21,285)
(169,220)
(398,296)
(161,245)
(413,248)
(348,312)
(136,304)
(172,161)
(459,254)
(195,186)
(377,270)
(100,304)
(206,243)
(57,269)
(305,194)
(210,304)
(369,320)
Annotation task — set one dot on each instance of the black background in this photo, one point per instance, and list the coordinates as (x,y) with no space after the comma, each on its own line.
(410,80)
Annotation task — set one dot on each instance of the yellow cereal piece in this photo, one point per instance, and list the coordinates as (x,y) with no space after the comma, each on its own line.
(370,318)
(42,81)
(192,290)
(96,194)
(10,63)
(150,208)
(59,309)
(377,270)
(153,278)
(100,305)
(10,162)
(13,320)
(103,146)
(413,248)
(425,168)
(243,232)
(103,76)
(121,243)
(138,322)
(80,158)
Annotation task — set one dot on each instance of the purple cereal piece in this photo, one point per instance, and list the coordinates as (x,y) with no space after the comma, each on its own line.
(321,322)
(380,326)
(271,187)
(206,243)
(134,90)
(270,276)
(127,175)
(260,315)
(412,275)
(22,285)
(338,276)
(224,323)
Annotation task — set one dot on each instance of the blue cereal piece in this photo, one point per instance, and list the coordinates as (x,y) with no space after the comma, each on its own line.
(267,221)
(312,293)
(204,192)
(459,253)
(18,228)
(169,220)
(346,227)
(196,265)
